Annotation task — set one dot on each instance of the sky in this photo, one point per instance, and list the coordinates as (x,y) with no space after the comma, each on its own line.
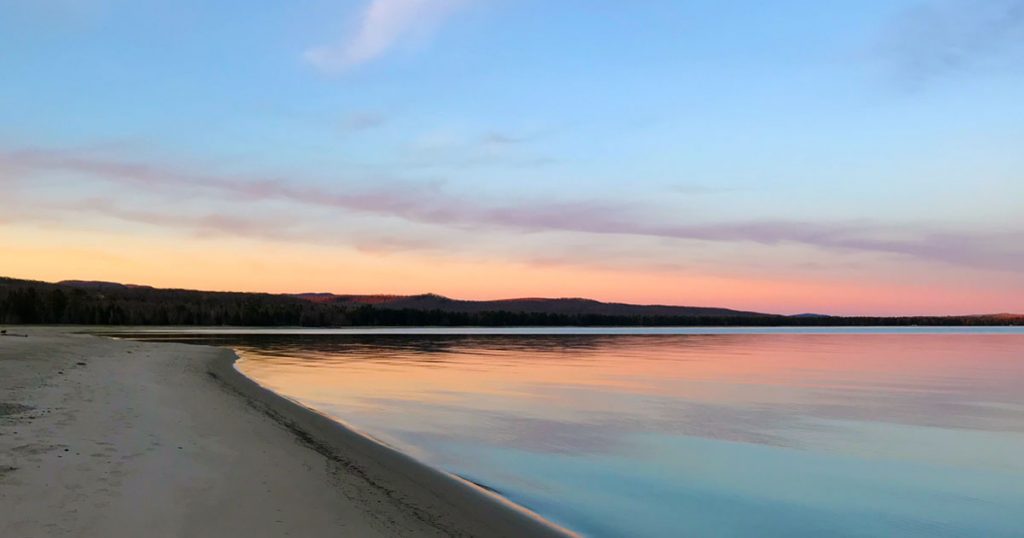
(847,157)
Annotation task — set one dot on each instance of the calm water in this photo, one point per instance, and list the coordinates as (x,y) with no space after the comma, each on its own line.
(737,433)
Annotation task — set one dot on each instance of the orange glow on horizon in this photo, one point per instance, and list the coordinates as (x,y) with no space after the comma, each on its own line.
(241,265)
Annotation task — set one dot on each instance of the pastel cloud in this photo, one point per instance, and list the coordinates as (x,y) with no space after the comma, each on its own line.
(431,204)
(383,24)
(363,121)
(208,224)
(943,36)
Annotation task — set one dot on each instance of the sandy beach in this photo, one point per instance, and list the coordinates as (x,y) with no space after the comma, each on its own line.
(103,437)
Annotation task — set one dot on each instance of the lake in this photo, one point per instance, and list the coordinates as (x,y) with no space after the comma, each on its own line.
(670,432)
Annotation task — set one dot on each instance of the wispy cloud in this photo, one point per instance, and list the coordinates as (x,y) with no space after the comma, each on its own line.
(941,37)
(363,121)
(208,224)
(495,138)
(689,188)
(452,149)
(398,199)
(383,24)
(430,204)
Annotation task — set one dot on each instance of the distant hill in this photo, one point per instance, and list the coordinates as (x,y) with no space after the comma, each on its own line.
(99,284)
(565,306)
(111,303)
(810,315)
(1005,316)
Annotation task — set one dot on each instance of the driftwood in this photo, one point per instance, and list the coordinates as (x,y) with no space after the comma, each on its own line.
(3,332)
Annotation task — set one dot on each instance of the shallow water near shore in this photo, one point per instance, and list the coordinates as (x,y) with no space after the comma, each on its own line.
(852,432)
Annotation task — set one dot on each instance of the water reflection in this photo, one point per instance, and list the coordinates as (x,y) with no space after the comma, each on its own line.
(656,435)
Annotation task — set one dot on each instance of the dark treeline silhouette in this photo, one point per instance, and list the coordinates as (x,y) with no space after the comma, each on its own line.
(30,302)
(39,302)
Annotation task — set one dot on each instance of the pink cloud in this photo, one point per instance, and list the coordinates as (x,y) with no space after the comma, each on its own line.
(383,24)
(1000,250)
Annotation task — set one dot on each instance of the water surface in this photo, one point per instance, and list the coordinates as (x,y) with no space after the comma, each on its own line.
(850,432)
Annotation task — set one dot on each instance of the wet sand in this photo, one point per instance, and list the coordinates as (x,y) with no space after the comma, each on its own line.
(102,437)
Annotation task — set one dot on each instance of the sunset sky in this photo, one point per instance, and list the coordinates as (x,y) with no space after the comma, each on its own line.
(849,157)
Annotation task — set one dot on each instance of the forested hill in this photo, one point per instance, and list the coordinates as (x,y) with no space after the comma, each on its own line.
(569,306)
(102,303)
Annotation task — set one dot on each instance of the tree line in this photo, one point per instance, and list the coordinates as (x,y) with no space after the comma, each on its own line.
(29,302)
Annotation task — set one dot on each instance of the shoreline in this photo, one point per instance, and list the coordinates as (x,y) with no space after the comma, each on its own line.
(682,330)
(354,449)
(107,437)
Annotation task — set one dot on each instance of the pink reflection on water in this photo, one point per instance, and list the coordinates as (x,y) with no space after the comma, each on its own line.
(956,380)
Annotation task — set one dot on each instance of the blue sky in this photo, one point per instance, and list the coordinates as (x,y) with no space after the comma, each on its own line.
(854,144)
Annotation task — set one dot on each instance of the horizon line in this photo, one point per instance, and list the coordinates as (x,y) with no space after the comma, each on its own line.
(71,282)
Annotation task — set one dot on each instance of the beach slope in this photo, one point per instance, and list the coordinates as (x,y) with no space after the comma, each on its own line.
(102,437)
